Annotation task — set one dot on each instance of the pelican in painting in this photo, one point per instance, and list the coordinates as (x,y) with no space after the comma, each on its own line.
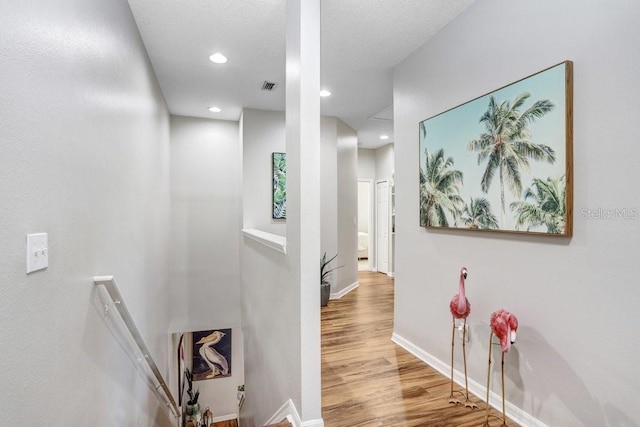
(217,362)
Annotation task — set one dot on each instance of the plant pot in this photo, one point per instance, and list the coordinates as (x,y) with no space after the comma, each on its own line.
(193,409)
(193,413)
(325,291)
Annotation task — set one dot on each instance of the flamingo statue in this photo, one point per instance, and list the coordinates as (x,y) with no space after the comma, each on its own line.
(217,362)
(460,309)
(504,326)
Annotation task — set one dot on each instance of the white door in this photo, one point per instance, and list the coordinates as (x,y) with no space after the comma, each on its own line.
(382,226)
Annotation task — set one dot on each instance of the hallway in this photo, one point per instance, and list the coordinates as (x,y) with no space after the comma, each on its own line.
(367,380)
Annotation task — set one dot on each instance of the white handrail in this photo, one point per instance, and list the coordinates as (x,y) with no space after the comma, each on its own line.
(112,298)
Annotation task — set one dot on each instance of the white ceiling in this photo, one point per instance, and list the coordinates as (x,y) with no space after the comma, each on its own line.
(362,40)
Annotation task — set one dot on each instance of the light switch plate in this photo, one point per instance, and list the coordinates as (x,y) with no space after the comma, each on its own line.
(37,252)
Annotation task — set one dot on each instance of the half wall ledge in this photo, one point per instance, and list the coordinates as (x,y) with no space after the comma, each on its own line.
(274,241)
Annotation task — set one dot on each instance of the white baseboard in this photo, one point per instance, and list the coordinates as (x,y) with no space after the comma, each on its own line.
(288,410)
(345,291)
(516,414)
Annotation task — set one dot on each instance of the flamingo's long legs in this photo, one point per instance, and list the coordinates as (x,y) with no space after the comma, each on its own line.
(504,416)
(468,403)
(453,336)
(486,418)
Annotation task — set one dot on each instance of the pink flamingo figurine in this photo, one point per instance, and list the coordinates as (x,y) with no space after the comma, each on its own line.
(460,309)
(504,326)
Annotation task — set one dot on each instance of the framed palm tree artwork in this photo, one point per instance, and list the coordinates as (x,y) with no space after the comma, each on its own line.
(279,194)
(502,161)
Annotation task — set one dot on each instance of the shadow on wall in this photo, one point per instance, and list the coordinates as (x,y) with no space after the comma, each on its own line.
(616,417)
(569,387)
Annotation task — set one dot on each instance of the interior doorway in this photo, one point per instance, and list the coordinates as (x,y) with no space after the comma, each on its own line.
(382,226)
(366,229)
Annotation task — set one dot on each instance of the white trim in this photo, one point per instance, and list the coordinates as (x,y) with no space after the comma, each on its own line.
(345,291)
(273,241)
(227,417)
(371,221)
(377,219)
(516,414)
(391,274)
(288,410)
(313,423)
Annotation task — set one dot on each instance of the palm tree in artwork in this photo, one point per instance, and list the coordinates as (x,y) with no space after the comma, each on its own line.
(477,215)
(506,144)
(544,204)
(279,185)
(439,190)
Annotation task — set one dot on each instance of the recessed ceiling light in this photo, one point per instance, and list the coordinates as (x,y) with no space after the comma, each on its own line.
(384,136)
(214,109)
(218,58)
(324,93)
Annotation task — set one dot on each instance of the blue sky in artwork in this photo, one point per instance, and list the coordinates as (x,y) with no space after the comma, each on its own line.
(453,129)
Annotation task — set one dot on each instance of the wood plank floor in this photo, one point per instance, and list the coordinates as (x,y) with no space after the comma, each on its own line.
(368,381)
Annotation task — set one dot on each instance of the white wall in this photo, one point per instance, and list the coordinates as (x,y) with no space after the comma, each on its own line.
(84,137)
(366,164)
(575,362)
(263,133)
(205,223)
(206,216)
(377,164)
(271,333)
(367,172)
(329,186)
(303,129)
(384,162)
(271,329)
(364,188)
(347,177)
(265,273)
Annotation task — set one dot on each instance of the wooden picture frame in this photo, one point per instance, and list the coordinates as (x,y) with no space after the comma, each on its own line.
(502,161)
(181,370)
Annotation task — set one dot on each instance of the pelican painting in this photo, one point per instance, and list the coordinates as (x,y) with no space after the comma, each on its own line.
(212,354)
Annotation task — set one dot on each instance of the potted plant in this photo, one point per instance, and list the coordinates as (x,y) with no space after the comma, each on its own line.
(325,285)
(193,407)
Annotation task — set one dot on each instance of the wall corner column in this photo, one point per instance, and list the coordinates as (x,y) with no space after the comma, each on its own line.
(303,190)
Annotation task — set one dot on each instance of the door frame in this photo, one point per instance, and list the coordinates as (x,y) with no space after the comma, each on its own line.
(372,223)
(378,219)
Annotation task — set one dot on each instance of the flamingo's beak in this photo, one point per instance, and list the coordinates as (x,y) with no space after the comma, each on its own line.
(513,337)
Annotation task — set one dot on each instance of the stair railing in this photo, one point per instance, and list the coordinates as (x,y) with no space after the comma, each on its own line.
(126,332)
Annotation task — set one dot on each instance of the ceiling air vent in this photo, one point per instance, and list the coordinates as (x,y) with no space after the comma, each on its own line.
(269,86)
